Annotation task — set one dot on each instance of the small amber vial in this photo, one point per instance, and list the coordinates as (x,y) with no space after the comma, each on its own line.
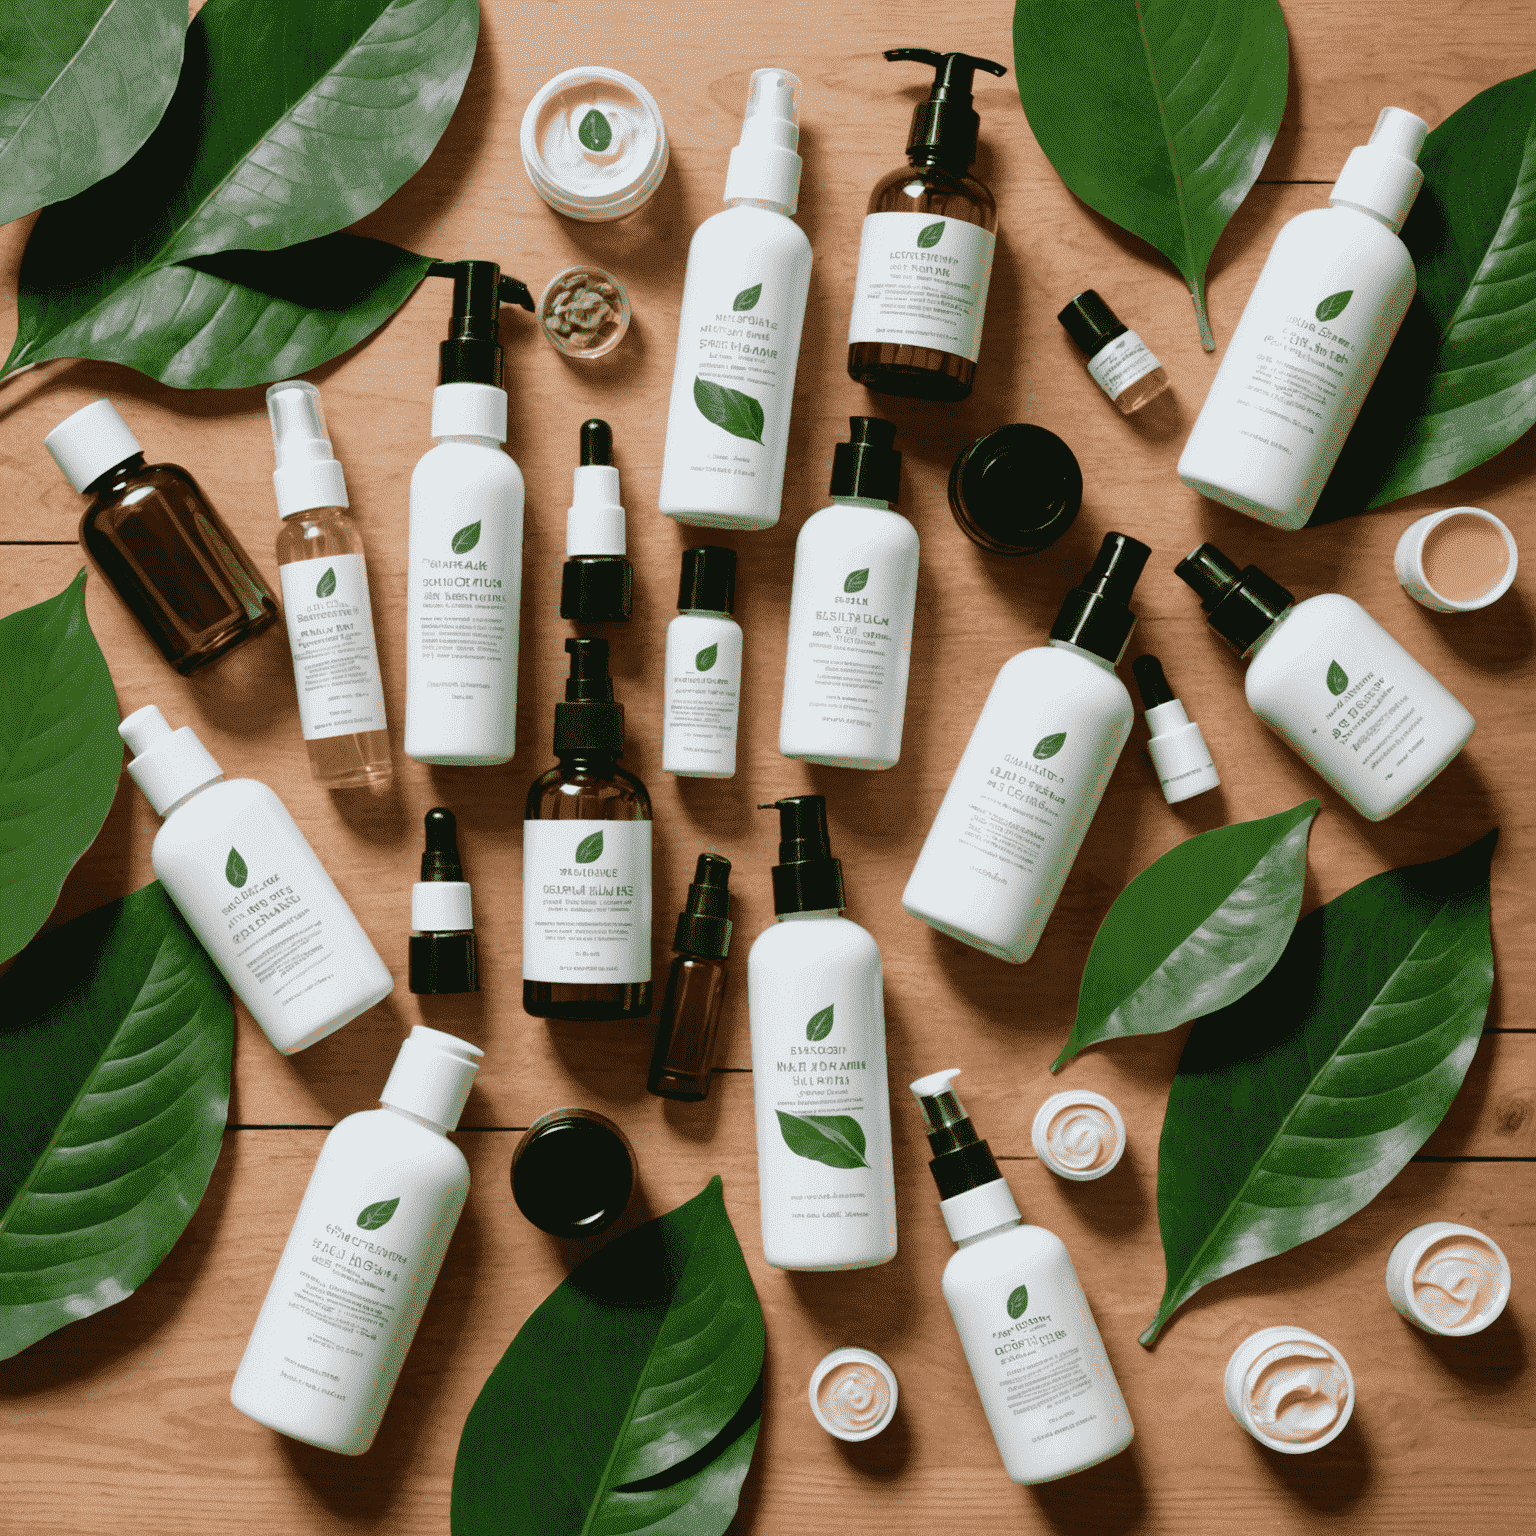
(1121,363)
(690,1013)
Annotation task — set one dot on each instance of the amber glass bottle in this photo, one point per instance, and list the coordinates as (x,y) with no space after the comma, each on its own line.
(690,1011)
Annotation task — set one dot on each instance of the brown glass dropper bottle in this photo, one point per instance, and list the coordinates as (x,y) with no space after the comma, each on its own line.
(690,1012)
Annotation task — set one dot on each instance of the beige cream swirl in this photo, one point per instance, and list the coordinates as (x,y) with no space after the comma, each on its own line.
(854,1397)
(1456,1281)
(1082,1137)
(1296,1392)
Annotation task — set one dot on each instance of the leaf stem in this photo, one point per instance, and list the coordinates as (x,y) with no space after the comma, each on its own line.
(1197,293)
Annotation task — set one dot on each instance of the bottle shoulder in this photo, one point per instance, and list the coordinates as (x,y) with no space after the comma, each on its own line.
(318,535)
(813,942)
(216,807)
(932,189)
(377,1134)
(149,490)
(455,465)
(1344,231)
(764,228)
(701,622)
(835,525)
(1003,1251)
(615,794)
(1062,670)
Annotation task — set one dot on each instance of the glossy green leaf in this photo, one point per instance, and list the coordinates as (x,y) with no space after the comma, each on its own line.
(819,1025)
(1156,113)
(747,298)
(628,1402)
(590,849)
(1296,1106)
(836,1140)
(116,1034)
(466,538)
(739,414)
(706,658)
(82,85)
(60,756)
(1195,930)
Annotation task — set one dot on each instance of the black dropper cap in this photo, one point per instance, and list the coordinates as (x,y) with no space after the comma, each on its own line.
(703,929)
(867,464)
(1016,489)
(472,353)
(807,878)
(1239,604)
(596,443)
(443,961)
(1095,614)
(573,1173)
(944,127)
(597,589)
(1091,323)
(961,1159)
(708,580)
(589,720)
(1151,682)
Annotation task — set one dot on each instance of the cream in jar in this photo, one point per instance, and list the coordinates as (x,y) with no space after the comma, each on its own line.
(1078,1134)
(853,1394)
(1291,1390)
(1448,1279)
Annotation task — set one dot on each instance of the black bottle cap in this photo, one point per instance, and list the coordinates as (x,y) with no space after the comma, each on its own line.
(596,442)
(597,589)
(944,127)
(708,579)
(1151,683)
(807,878)
(589,720)
(1095,614)
(961,1160)
(703,928)
(1016,490)
(573,1173)
(472,352)
(449,961)
(868,464)
(1239,605)
(1091,323)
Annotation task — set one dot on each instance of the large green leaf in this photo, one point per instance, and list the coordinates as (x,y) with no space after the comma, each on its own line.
(636,1379)
(1195,930)
(60,756)
(115,1040)
(1157,113)
(1296,1106)
(82,85)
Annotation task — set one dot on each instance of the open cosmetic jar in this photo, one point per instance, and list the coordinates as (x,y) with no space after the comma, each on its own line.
(1291,1390)
(1078,1135)
(1456,561)
(1448,1279)
(853,1394)
(584,312)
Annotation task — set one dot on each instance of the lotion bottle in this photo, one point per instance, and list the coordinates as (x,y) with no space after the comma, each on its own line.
(850,612)
(703,682)
(1033,772)
(738,338)
(1312,336)
(817,1012)
(1029,1337)
(363,1255)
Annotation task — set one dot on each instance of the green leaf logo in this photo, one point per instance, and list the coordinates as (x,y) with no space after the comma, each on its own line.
(327,583)
(1018,1301)
(1338,679)
(706,658)
(595,131)
(590,849)
(1334,305)
(747,298)
(374,1216)
(466,538)
(234,869)
(926,238)
(857,580)
(836,1140)
(738,414)
(820,1024)
(1049,746)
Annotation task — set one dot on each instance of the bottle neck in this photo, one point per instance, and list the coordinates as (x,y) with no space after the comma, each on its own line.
(1264,639)
(981,1237)
(475,438)
(818,915)
(122,471)
(1370,213)
(757,202)
(191,794)
(861,501)
(588,764)
(1077,650)
(705,613)
(421,1120)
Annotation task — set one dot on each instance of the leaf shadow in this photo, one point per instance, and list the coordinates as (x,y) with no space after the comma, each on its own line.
(1330,1479)
(1114,1490)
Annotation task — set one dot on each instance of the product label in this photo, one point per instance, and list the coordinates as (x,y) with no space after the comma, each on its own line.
(1119,364)
(703,697)
(335,659)
(587,901)
(1013,816)
(1039,1372)
(922,282)
(465,617)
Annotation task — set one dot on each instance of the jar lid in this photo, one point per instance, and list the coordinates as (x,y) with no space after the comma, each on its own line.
(1016,490)
(573,1173)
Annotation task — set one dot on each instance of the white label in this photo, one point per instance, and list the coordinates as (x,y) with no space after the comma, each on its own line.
(1120,363)
(335,658)
(922,283)
(703,697)
(587,901)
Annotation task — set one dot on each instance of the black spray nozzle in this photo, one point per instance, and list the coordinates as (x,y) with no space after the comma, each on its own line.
(596,443)
(589,682)
(1095,614)
(807,878)
(961,1159)
(944,127)
(1151,682)
(588,720)
(867,465)
(703,928)
(1240,605)
(472,352)
(440,860)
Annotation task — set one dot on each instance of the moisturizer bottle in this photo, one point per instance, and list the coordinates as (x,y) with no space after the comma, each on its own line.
(363,1255)
(1029,1337)
(702,697)
(1177,749)
(597,585)
(443,953)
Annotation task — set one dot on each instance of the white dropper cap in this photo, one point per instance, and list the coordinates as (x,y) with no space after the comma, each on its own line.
(167,765)
(1383,177)
(307,474)
(764,166)
(432,1075)
(86,445)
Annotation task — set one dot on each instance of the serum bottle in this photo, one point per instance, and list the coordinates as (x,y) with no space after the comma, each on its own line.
(597,585)
(443,953)
(1119,361)
(703,682)
(690,1012)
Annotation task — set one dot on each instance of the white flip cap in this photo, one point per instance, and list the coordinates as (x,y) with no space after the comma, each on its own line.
(432,1075)
(469,410)
(441,906)
(1179,754)
(167,765)
(86,445)
(307,474)
(1383,177)
(595,523)
(764,165)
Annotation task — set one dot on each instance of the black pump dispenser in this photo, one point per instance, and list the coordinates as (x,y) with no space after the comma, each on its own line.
(443,955)
(961,1159)
(867,465)
(1095,614)
(807,878)
(1151,682)
(703,928)
(589,720)
(472,353)
(1239,604)
(945,126)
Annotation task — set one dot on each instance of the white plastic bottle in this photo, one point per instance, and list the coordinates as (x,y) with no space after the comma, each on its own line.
(1313,334)
(703,683)
(819,1089)
(1033,773)
(738,336)
(1029,1337)
(465,549)
(1328,679)
(850,612)
(363,1255)
(252,890)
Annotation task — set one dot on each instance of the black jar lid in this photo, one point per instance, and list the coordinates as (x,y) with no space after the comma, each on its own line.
(1016,490)
(573,1173)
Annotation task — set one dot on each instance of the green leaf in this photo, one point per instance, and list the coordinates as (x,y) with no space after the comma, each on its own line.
(590,849)
(706,658)
(637,1379)
(836,1140)
(1334,305)
(595,131)
(114,1085)
(1195,930)
(60,756)
(1296,1106)
(747,298)
(466,538)
(738,414)
(1156,113)
(819,1025)
(234,869)
(82,85)
(327,583)
(374,1216)
(1338,679)
(1018,1301)
(1049,746)
(930,235)
(856,581)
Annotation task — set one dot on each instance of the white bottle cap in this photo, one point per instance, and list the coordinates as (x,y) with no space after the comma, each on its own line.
(441,906)
(86,445)
(432,1075)
(1179,754)
(595,523)
(978,1210)
(469,410)
(307,474)
(1383,177)
(167,765)
(764,165)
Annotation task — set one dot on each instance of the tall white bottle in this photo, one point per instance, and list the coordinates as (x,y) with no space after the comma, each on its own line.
(1028,1334)
(363,1255)
(850,612)
(819,1088)
(703,684)
(465,554)
(252,890)
(738,336)
(1313,334)
(1033,772)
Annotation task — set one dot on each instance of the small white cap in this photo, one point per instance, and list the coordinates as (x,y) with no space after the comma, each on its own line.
(86,445)
(872,1416)
(167,765)
(974,1211)
(595,523)
(1403,1278)
(935,1083)
(1087,1158)
(441,906)
(432,1075)
(1236,1386)
(764,165)
(1179,753)
(1383,177)
(307,474)
(1408,562)
(469,410)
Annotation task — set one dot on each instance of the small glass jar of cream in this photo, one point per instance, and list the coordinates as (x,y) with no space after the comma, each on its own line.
(1456,561)
(584,312)
(1448,1279)
(1291,1390)
(593,143)
(1078,1135)
(853,1394)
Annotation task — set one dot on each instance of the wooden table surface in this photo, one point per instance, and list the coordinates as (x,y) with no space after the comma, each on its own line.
(121,1422)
